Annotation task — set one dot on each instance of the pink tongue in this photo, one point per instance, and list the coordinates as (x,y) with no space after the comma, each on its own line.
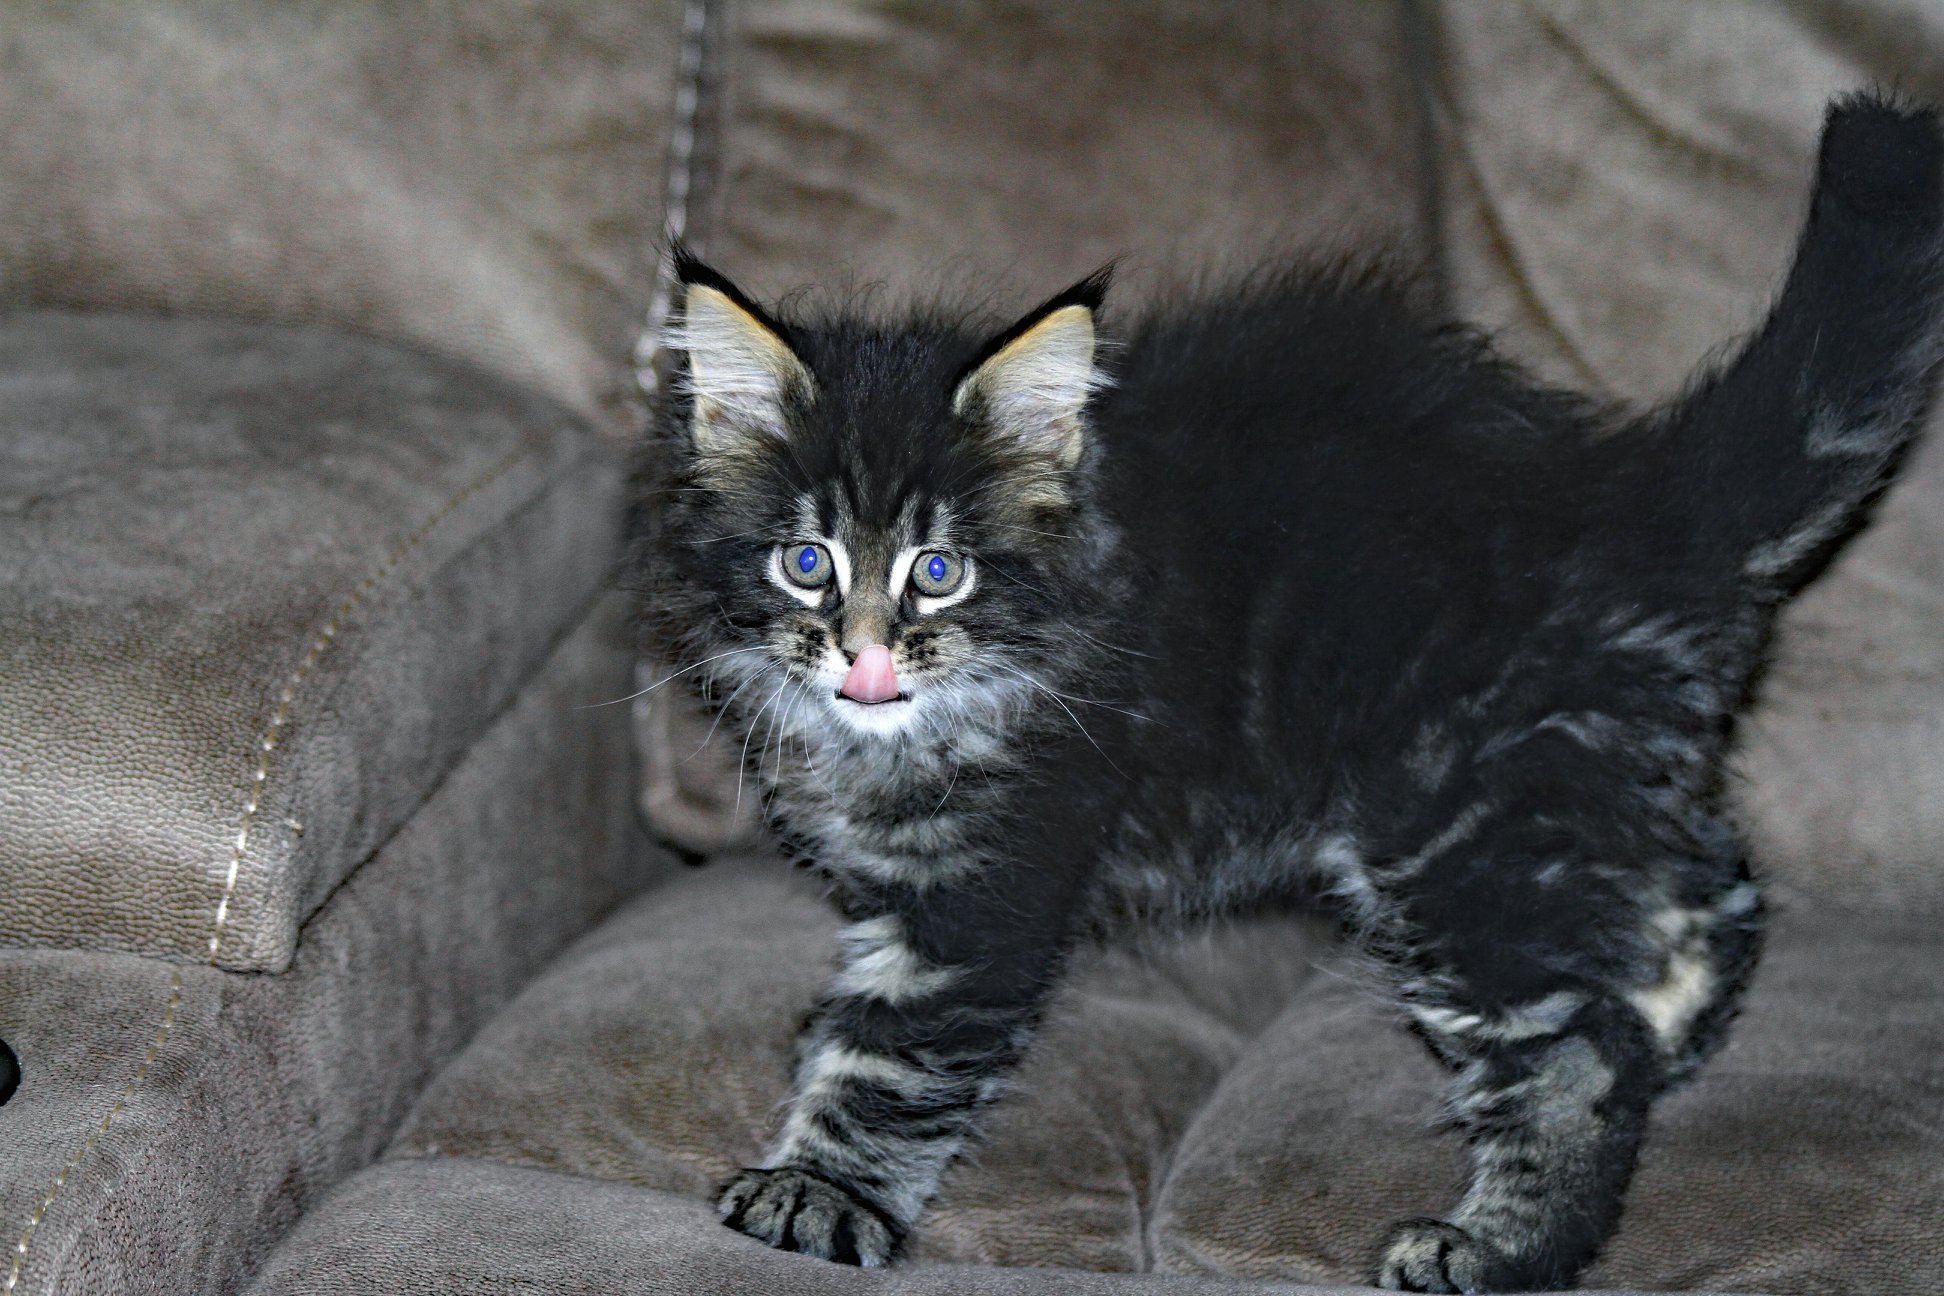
(872,677)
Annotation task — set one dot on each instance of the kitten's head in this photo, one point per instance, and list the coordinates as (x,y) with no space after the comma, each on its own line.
(882,528)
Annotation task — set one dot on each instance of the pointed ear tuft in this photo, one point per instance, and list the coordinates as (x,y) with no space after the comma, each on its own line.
(742,371)
(1033,384)
(690,268)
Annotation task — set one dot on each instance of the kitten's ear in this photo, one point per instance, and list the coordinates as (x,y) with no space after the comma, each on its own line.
(742,372)
(1035,378)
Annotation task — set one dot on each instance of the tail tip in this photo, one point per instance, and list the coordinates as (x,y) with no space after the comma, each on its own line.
(1883,156)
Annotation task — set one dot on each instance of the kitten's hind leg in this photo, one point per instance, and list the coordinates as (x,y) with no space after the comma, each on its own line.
(1554,1124)
(1566,994)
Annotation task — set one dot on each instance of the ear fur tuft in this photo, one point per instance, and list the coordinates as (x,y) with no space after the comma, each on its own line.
(1031,384)
(742,370)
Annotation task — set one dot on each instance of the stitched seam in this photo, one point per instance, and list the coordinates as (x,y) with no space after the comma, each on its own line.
(1665,135)
(677,186)
(266,746)
(273,735)
(1512,260)
(100,1130)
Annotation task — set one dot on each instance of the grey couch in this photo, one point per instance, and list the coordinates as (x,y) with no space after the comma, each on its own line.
(331,941)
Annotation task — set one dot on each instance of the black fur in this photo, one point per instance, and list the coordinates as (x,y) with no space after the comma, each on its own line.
(1335,603)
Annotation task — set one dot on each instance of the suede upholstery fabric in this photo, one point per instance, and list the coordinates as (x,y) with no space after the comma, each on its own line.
(1234,1103)
(1010,148)
(453,1228)
(1804,1159)
(1839,776)
(260,587)
(670,1028)
(1624,182)
(483,179)
(199,1112)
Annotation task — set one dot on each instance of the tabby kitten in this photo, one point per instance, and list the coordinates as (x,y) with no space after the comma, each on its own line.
(1306,593)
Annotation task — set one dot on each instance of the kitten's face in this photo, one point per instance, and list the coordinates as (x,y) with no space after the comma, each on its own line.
(878,529)
(879,608)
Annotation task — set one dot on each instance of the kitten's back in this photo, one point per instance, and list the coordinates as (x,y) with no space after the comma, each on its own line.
(1343,514)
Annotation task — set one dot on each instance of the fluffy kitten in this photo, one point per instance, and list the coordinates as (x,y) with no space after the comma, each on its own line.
(1304,593)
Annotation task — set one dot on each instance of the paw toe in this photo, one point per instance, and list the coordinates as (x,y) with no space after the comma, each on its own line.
(1427,1255)
(794,1210)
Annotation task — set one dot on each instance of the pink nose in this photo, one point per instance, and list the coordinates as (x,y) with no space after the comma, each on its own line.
(872,678)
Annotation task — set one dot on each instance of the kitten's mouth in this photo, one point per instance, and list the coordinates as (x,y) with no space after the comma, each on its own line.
(873,680)
(871,702)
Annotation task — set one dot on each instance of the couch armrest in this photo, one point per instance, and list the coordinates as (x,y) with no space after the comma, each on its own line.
(263,586)
(298,676)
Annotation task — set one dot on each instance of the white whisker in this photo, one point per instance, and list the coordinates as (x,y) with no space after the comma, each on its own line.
(1102,643)
(734,535)
(1069,712)
(723,710)
(665,679)
(742,762)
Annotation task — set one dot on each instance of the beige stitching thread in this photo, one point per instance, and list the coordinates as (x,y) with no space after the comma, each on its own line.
(95,1134)
(265,746)
(273,735)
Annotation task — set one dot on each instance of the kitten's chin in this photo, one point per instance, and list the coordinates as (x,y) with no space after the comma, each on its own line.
(881,718)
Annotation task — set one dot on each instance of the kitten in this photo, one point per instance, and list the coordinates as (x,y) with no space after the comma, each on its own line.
(1304,593)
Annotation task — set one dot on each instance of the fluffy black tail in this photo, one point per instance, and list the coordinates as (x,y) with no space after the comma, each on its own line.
(1787,443)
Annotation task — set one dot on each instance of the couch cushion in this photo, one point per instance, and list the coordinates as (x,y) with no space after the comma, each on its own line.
(1805,1158)
(660,1045)
(259,588)
(484,178)
(1025,144)
(1223,1104)
(456,1227)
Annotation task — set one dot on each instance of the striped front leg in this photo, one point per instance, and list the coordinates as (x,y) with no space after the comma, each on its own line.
(924,1019)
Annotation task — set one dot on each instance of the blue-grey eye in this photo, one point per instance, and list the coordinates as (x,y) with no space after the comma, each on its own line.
(808,565)
(936,574)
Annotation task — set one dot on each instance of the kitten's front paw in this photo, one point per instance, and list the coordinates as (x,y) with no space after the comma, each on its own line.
(794,1210)
(1427,1255)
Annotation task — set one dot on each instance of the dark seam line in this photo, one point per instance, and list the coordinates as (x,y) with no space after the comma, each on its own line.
(1664,135)
(1422,56)
(1506,250)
